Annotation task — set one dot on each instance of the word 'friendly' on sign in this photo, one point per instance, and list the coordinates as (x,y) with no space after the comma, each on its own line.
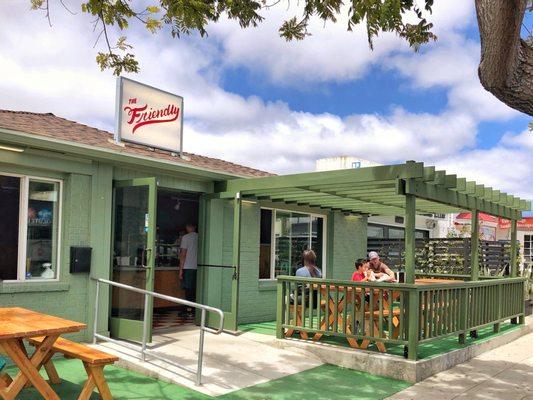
(149,116)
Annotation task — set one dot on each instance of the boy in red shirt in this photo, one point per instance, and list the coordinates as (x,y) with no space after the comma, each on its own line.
(361,274)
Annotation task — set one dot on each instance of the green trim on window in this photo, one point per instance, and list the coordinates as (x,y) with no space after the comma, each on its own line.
(267,285)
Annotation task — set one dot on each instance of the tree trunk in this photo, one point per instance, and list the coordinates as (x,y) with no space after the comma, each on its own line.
(506,67)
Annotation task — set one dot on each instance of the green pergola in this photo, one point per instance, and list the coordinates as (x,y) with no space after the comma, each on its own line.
(404,189)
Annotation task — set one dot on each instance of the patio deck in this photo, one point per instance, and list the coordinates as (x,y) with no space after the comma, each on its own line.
(426,350)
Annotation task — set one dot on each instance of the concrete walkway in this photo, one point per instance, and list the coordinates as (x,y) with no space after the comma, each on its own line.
(505,373)
(230,362)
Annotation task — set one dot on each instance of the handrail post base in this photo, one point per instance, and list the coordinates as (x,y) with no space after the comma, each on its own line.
(462,338)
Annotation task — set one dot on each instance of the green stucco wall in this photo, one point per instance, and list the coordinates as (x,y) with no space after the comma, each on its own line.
(349,243)
(257,299)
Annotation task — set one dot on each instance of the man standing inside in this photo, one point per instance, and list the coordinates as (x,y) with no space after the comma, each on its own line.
(189,263)
(381,271)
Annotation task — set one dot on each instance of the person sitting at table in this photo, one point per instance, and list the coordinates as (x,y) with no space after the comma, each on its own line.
(380,270)
(309,269)
(362,273)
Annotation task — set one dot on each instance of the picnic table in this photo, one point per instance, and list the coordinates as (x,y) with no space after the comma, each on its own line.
(348,296)
(17,324)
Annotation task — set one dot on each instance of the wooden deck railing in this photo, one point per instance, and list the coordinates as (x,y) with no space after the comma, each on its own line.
(393,313)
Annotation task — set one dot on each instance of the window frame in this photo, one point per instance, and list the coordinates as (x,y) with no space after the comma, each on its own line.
(529,257)
(23,227)
(386,227)
(273,239)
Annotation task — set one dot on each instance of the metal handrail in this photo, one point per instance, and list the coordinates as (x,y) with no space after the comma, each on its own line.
(142,349)
(217,266)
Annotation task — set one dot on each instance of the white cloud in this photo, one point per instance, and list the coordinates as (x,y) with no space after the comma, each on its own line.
(453,65)
(292,141)
(507,166)
(523,140)
(330,54)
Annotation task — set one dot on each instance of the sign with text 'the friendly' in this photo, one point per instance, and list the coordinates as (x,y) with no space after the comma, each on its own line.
(148,116)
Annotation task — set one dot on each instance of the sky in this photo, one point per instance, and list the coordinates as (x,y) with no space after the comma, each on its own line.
(255,99)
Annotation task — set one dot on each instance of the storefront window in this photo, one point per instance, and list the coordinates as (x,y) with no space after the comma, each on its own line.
(43,203)
(30,224)
(282,246)
(9,234)
(376,232)
(284,237)
(528,249)
(396,233)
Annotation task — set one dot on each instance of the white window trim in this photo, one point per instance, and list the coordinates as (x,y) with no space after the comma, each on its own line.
(23,228)
(273,239)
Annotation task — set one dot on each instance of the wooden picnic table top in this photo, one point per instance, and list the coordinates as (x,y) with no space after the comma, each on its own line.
(418,281)
(429,281)
(17,322)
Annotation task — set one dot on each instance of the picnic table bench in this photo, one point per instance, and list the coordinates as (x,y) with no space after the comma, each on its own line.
(93,360)
(43,331)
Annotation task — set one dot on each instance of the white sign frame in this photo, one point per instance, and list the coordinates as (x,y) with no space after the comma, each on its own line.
(118,115)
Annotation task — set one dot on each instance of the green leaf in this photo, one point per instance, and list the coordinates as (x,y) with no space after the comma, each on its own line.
(185,17)
(153,9)
(292,29)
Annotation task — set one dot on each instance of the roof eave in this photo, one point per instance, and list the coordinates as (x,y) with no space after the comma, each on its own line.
(24,139)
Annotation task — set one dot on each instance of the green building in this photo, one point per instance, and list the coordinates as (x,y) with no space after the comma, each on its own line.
(68,191)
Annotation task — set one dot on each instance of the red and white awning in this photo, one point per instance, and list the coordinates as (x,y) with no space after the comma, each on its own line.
(501,223)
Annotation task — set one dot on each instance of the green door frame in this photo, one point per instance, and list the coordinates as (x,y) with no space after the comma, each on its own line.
(231,318)
(123,328)
(210,238)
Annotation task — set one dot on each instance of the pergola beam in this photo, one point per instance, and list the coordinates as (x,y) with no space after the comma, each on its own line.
(377,190)
(440,194)
(373,174)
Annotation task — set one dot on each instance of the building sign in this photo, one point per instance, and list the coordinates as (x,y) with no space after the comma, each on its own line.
(523,224)
(149,116)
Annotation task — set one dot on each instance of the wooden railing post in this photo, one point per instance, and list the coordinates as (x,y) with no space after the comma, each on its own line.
(463,314)
(513,259)
(410,214)
(499,301)
(279,310)
(413,326)
(474,246)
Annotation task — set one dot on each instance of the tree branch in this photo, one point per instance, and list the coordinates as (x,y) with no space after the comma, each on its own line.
(506,66)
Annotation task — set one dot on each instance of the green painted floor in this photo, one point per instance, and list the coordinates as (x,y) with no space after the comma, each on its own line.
(425,350)
(123,384)
(324,382)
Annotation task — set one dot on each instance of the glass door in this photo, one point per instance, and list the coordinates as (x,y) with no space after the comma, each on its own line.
(134,220)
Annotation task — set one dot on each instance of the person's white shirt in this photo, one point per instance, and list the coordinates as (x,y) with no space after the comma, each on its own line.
(189,242)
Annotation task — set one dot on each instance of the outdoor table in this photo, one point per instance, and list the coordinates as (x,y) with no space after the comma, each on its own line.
(17,324)
(372,322)
(330,303)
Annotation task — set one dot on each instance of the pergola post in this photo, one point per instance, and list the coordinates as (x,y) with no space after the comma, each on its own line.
(474,246)
(410,213)
(237,210)
(513,262)
(413,306)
